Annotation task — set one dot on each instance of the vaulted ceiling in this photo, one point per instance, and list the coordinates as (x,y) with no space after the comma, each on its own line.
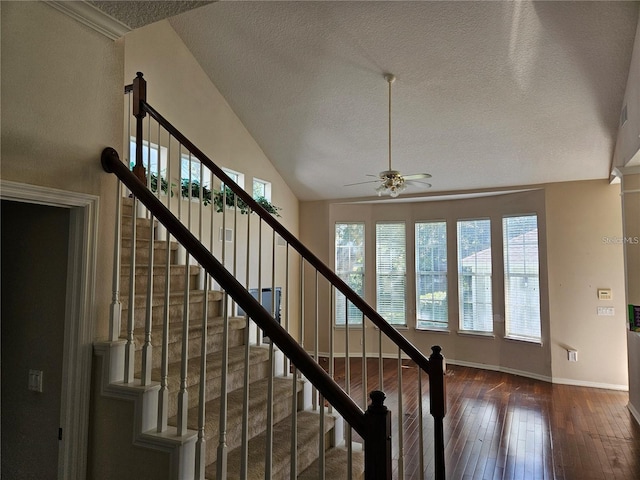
(488,94)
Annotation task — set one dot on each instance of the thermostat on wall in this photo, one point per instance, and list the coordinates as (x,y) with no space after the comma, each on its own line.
(604,294)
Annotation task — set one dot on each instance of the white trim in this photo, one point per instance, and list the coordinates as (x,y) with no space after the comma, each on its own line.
(497,368)
(582,383)
(79,313)
(181,449)
(92,17)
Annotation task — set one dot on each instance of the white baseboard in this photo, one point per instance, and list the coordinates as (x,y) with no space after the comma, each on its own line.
(634,412)
(582,383)
(499,368)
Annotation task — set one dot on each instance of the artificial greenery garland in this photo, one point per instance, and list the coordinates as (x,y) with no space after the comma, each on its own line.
(217,197)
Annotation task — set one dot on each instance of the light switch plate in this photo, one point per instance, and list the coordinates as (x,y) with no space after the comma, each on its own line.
(35,380)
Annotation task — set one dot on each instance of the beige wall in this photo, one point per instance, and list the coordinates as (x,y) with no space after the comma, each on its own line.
(583,222)
(61,105)
(573,218)
(180,90)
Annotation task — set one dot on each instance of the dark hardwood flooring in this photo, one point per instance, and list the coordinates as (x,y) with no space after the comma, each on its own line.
(501,426)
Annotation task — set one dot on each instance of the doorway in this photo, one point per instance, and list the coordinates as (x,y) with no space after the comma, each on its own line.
(35,241)
(35,218)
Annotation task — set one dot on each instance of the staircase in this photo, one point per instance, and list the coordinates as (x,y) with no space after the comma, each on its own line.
(207,388)
(306,419)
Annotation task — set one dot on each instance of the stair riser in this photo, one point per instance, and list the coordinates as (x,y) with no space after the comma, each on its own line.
(175,314)
(142,256)
(143,228)
(214,344)
(177,283)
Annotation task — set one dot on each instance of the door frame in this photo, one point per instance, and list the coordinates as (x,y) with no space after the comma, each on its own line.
(79,316)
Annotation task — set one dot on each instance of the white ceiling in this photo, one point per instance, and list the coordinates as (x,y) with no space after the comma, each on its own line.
(488,95)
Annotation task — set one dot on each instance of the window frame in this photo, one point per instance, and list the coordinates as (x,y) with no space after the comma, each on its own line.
(267,189)
(475,277)
(507,275)
(362,274)
(438,326)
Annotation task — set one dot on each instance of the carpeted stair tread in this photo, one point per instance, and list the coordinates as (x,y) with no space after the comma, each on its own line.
(215,326)
(336,465)
(308,428)
(175,298)
(214,364)
(282,392)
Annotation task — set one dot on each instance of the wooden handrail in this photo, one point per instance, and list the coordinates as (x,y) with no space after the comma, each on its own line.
(395,336)
(329,389)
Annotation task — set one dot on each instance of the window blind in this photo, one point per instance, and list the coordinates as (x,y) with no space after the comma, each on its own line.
(521,276)
(391,272)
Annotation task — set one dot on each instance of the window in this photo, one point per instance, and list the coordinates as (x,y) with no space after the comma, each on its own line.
(391,272)
(521,277)
(235,176)
(431,275)
(149,151)
(262,189)
(191,165)
(474,275)
(349,264)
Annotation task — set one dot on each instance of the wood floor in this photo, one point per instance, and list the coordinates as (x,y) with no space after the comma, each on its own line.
(501,426)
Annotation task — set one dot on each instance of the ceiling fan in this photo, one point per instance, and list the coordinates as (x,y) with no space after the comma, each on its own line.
(392,182)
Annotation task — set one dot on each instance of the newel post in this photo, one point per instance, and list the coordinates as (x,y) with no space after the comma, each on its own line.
(438,406)
(139,96)
(377,443)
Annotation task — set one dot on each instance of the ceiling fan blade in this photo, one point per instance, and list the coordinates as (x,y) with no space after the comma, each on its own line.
(416,176)
(361,183)
(419,184)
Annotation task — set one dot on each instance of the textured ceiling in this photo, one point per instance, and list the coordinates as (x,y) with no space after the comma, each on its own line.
(489,94)
(134,13)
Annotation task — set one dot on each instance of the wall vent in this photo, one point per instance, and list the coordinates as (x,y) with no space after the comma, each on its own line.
(228,235)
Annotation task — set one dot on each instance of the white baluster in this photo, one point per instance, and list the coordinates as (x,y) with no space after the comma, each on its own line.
(222,438)
(247,350)
(130,348)
(163,394)
(294,426)
(115,317)
(147,348)
(201,457)
(183,395)
(321,457)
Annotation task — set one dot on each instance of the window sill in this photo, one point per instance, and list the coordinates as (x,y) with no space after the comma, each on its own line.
(352,326)
(466,333)
(434,330)
(532,341)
